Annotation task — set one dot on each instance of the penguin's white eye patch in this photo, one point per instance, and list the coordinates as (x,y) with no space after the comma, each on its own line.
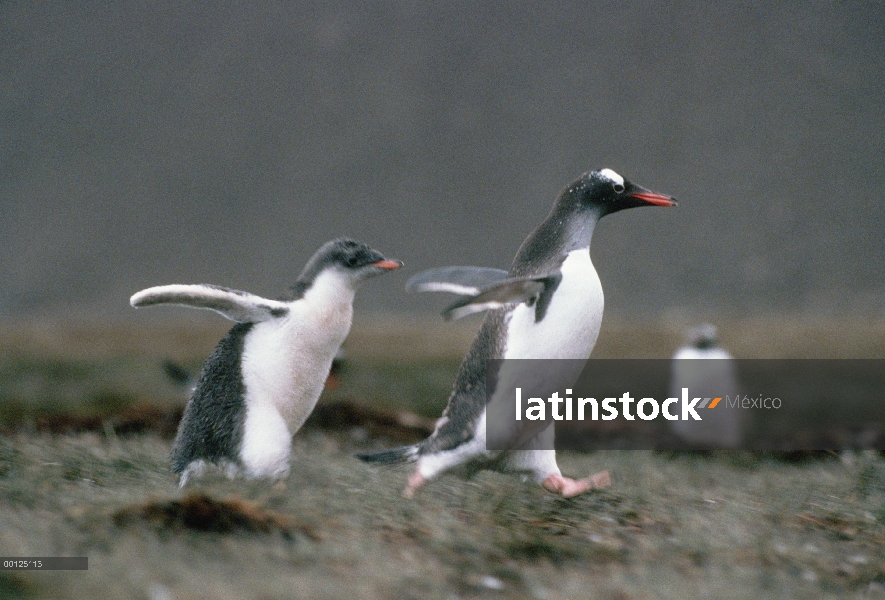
(618,187)
(612,176)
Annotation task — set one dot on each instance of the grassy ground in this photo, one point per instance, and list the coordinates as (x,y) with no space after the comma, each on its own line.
(683,527)
(671,526)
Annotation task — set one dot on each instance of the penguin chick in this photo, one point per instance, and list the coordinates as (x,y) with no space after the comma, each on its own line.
(264,378)
(547,306)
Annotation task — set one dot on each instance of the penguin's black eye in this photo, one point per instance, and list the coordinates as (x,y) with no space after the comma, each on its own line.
(352,261)
(618,187)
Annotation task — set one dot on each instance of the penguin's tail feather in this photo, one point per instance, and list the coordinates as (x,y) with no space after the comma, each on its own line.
(394,456)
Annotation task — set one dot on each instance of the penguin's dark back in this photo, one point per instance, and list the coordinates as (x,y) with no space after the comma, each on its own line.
(468,398)
(212,426)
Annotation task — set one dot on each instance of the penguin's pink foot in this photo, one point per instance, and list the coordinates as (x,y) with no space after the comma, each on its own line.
(415,481)
(569,488)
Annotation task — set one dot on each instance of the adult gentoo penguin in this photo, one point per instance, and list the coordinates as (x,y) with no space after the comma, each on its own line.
(548,305)
(264,378)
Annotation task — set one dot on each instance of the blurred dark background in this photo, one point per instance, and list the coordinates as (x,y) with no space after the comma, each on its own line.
(149,143)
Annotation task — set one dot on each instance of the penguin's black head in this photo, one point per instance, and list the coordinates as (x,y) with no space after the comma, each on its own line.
(702,337)
(355,259)
(605,192)
(356,256)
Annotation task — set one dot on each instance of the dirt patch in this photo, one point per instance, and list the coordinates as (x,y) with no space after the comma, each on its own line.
(201,512)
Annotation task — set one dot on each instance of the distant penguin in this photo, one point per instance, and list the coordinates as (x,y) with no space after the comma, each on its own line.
(722,427)
(264,378)
(549,305)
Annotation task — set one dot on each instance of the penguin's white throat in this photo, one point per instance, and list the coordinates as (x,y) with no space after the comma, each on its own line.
(331,289)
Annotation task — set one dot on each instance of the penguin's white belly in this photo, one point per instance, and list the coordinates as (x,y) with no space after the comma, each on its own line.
(571,323)
(286,365)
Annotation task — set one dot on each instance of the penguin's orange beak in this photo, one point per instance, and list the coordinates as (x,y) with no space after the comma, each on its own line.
(654,199)
(388,265)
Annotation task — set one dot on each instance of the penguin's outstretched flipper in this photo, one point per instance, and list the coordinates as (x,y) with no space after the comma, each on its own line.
(238,306)
(465,281)
(481,288)
(509,291)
